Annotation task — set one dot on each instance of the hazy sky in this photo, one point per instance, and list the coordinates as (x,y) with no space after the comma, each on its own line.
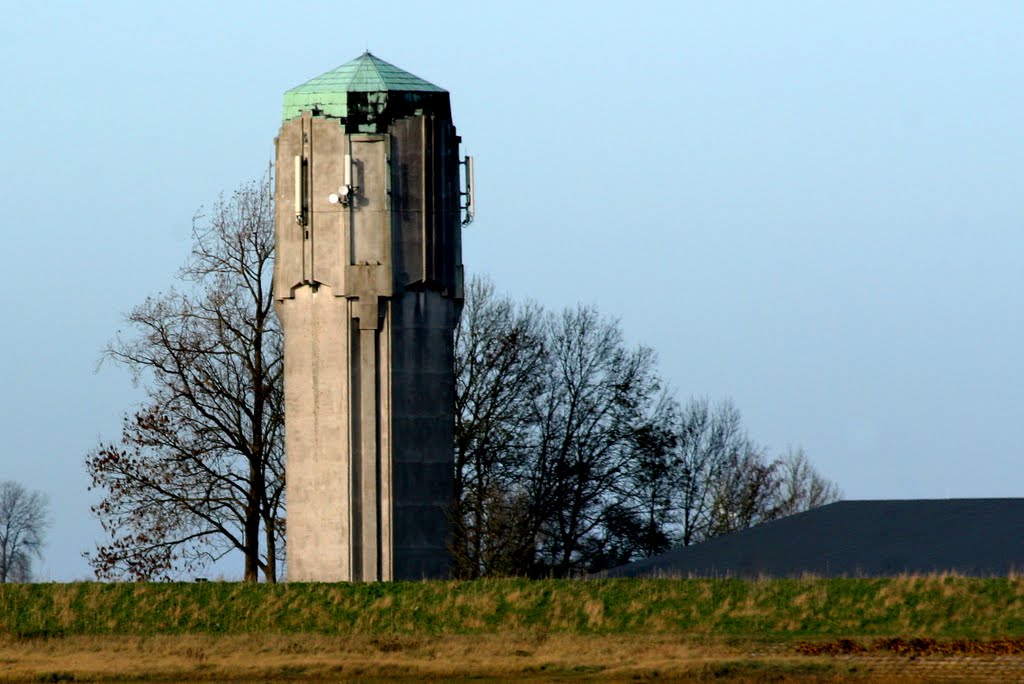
(812,208)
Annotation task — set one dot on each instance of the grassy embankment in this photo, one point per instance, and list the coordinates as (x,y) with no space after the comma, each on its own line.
(939,606)
(499,628)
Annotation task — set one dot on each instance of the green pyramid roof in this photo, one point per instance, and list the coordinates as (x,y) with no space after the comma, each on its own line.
(328,93)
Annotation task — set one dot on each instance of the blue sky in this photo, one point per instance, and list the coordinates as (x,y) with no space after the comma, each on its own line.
(811,208)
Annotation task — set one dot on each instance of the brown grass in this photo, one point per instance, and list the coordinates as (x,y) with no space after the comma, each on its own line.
(551,657)
(499,657)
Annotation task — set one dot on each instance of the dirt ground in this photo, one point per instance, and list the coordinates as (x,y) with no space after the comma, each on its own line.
(534,657)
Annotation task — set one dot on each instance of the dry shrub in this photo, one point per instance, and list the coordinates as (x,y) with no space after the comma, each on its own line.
(394,643)
(916,647)
(833,648)
(956,647)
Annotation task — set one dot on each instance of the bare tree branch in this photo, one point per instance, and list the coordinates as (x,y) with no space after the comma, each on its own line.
(24,519)
(199,469)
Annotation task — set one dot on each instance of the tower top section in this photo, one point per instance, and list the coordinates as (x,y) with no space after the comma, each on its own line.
(365,94)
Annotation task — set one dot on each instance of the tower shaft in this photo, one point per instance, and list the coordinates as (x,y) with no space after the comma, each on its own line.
(368,287)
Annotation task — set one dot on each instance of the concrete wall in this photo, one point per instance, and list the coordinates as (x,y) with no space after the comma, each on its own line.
(422,432)
(368,295)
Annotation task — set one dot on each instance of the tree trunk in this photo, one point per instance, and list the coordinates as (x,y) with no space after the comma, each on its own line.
(270,571)
(252,522)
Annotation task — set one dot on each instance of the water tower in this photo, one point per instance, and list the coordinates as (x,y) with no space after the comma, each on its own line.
(368,287)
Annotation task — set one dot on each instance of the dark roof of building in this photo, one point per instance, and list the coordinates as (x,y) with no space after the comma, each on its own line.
(978,537)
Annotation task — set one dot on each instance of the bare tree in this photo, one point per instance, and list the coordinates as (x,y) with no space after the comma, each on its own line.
(24,519)
(641,525)
(706,438)
(599,394)
(801,486)
(500,354)
(555,416)
(199,469)
(725,482)
(494,536)
(744,491)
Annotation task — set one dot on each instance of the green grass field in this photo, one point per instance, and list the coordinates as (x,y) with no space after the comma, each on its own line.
(936,606)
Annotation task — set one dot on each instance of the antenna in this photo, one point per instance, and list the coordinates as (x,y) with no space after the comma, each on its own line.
(470,204)
(299,213)
(347,190)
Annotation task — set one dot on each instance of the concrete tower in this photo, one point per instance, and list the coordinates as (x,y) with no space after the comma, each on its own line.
(368,283)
